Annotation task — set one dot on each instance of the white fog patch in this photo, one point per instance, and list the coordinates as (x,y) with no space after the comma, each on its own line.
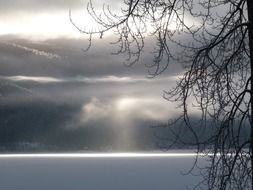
(155,108)
(36,51)
(95,110)
(46,79)
(123,79)
(125,103)
(124,115)
(91,80)
(127,109)
(32,78)
(110,78)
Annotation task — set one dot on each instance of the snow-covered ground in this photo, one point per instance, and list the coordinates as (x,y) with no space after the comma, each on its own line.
(95,173)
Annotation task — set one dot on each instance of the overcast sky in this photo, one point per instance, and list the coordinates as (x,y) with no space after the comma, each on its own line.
(40,20)
(41,58)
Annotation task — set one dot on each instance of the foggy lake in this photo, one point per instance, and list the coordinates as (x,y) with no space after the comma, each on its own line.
(79,172)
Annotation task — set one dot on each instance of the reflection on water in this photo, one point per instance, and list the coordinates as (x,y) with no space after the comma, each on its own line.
(121,171)
(100,155)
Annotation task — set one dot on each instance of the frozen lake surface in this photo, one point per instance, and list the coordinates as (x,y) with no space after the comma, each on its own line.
(94,172)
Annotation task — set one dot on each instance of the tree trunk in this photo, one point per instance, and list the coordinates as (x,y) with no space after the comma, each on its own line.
(250,30)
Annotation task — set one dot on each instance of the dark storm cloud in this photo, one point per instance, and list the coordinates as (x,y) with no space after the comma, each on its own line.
(94,116)
(65,58)
(59,68)
(84,115)
(53,93)
(58,71)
